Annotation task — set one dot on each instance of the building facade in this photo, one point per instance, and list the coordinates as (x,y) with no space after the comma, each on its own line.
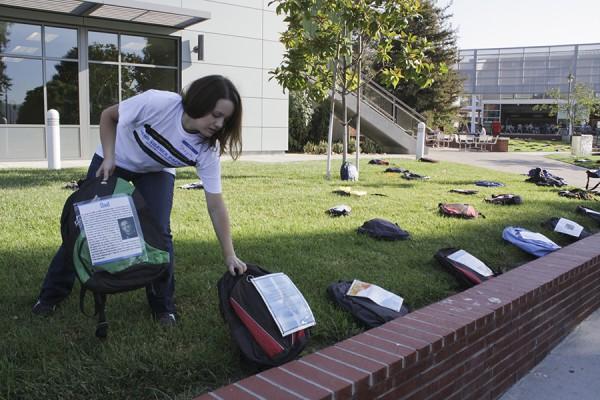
(504,84)
(79,57)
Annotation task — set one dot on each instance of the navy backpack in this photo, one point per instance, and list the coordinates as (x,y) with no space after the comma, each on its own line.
(362,309)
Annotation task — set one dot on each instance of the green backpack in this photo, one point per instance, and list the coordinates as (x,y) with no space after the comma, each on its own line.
(102,264)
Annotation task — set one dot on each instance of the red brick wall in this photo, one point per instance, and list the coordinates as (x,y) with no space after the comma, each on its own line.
(473,345)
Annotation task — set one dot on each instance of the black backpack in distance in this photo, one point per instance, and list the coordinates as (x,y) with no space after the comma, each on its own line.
(115,276)
(382,229)
(364,310)
(505,199)
(251,325)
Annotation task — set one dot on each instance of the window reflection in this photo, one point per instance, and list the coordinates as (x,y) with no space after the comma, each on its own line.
(138,79)
(104,89)
(62,90)
(21,91)
(20,39)
(60,42)
(148,50)
(103,46)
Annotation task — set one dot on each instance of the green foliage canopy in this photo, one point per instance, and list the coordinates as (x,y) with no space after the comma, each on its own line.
(322,32)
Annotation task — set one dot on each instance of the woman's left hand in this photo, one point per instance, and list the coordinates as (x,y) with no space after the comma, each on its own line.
(235,265)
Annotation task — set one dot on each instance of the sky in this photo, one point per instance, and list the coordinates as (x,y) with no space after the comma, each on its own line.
(514,23)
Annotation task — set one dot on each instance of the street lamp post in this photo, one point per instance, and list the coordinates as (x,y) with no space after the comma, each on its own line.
(570,79)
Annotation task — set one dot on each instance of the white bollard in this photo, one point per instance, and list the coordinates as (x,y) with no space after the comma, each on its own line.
(420,140)
(53,139)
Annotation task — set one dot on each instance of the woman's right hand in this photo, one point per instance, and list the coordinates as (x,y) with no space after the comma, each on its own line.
(106,169)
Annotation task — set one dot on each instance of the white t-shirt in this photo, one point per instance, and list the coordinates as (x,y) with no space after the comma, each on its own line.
(150,138)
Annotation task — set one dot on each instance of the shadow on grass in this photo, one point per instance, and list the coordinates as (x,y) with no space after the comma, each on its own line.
(24,178)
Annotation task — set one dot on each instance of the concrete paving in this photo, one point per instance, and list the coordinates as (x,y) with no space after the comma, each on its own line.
(571,370)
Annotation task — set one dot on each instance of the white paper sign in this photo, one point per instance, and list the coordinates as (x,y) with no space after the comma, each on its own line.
(286,304)
(472,262)
(376,294)
(111,228)
(568,227)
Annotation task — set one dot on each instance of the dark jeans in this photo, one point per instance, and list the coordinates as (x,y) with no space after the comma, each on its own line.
(157,190)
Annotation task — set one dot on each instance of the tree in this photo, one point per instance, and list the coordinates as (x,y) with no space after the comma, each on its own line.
(322,52)
(579,105)
(438,102)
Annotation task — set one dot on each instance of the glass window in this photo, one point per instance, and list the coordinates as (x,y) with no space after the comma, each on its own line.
(103,46)
(104,89)
(148,50)
(60,42)
(21,91)
(62,90)
(138,79)
(21,39)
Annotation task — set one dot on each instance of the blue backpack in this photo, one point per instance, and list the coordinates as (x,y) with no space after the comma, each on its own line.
(530,242)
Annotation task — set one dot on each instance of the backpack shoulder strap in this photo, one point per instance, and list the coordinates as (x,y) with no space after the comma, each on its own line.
(99,310)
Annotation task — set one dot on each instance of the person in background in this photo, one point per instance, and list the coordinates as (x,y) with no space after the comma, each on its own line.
(143,139)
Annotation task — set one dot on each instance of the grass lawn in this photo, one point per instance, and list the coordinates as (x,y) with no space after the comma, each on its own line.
(279,222)
(590,162)
(537,145)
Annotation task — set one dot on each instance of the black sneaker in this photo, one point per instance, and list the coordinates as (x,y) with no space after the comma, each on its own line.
(43,309)
(166,320)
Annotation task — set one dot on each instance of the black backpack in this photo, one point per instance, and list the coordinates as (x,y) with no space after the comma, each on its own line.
(505,199)
(252,327)
(541,177)
(114,276)
(461,268)
(593,214)
(382,229)
(364,310)
(552,222)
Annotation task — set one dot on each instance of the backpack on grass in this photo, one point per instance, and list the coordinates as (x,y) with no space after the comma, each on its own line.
(468,269)
(382,229)
(365,311)
(488,184)
(111,275)
(348,172)
(579,194)
(593,214)
(531,242)
(541,177)
(459,210)
(251,325)
(505,199)
(566,227)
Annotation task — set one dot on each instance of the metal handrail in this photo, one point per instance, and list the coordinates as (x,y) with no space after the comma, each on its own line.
(384,92)
(393,108)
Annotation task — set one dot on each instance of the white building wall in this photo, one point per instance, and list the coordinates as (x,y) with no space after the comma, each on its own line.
(241,41)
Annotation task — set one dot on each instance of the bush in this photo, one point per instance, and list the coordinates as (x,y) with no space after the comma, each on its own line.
(366,146)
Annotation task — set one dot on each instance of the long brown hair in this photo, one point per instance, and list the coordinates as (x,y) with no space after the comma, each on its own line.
(200,98)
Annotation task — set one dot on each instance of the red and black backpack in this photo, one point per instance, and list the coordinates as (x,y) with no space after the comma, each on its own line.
(251,325)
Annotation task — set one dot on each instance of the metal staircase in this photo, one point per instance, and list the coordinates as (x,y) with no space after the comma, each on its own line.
(384,118)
